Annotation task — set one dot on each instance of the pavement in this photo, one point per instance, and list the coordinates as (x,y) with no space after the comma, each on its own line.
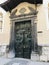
(20,61)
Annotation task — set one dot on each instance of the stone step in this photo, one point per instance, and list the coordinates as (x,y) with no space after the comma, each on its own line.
(34,56)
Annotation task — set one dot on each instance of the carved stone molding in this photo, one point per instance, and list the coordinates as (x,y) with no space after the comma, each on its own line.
(22,10)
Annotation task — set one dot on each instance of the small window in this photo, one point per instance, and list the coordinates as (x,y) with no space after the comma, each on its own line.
(1,21)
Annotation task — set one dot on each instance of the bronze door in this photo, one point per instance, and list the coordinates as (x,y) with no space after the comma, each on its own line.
(23,39)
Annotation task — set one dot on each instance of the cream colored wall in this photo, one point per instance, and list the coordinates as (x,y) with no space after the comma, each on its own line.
(43,38)
(5,33)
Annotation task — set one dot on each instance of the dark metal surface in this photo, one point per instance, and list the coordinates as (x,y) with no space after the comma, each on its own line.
(23,39)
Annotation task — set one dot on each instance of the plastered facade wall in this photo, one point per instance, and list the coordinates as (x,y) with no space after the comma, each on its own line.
(42,24)
(6,28)
(5,33)
(42,21)
(42,38)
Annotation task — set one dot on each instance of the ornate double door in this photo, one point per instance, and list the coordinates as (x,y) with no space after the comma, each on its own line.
(23,39)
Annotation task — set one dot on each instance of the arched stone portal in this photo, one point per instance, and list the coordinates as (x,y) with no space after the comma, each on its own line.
(24,30)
